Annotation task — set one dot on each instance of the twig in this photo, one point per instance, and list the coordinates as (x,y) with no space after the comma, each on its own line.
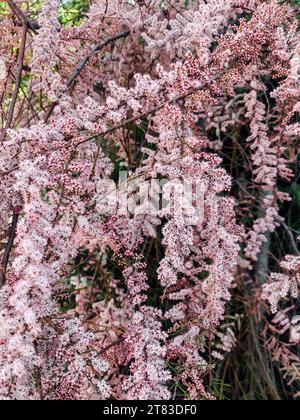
(292,239)
(9,246)
(18,78)
(22,17)
(115,343)
(96,48)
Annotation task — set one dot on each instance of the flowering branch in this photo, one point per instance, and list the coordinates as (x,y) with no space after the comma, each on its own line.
(157,108)
(121,291)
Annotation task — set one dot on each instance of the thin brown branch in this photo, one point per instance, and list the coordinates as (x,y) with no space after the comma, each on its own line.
(18,78)
(8,249)
(115,343)
(96,48)
(291,237)
(22,17)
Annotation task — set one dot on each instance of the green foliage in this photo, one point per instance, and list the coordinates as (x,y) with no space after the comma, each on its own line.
(72,12)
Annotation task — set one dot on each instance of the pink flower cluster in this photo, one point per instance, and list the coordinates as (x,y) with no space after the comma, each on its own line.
(158,90)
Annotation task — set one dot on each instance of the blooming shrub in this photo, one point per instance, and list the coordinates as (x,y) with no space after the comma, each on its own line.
(107,292)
